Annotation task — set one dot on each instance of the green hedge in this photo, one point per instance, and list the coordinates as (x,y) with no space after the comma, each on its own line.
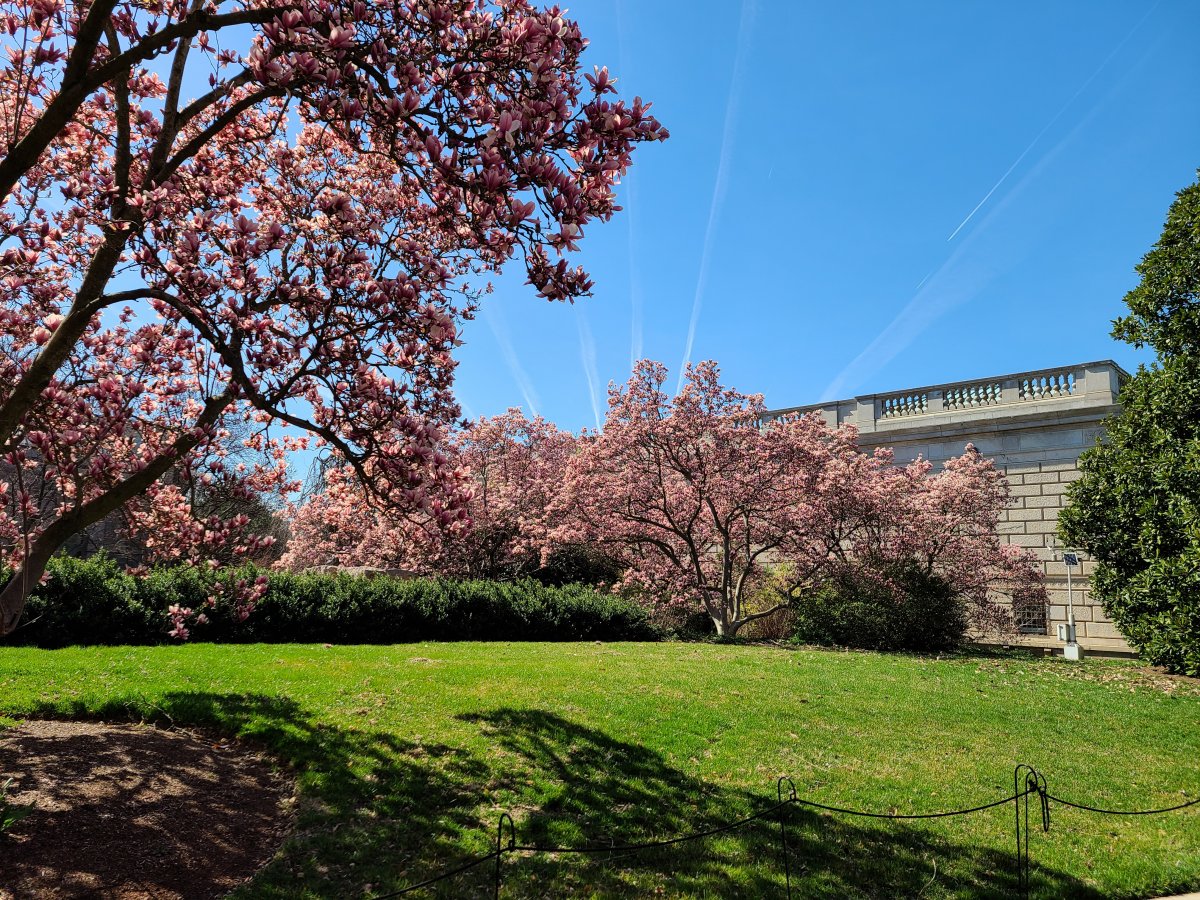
(94,602)
(859,612)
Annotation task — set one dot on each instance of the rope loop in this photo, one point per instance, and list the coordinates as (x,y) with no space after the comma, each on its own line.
(502,847)
(1036,782)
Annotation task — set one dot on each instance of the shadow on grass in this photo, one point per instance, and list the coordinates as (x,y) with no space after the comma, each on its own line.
(379,812)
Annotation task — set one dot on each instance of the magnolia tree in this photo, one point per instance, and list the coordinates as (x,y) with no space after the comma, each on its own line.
(705,504)
(510,467)
(339,525)
(943,524)
(268,212)
(694,497)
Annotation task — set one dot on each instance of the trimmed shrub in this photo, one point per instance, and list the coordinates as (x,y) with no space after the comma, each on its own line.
(862,613)
(93,602)
(87,601)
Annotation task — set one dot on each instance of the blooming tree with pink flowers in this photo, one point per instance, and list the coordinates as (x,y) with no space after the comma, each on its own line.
(339,525)
(510,466)
(947,524)
(694,496)
(515,466)
(706,504)
(268,212)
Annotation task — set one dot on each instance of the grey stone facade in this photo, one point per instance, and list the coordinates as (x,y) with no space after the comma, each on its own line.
(1034,425)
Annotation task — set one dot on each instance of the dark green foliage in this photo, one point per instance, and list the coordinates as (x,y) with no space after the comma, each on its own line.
(488,554)
(862,612)
(579,564)
(93,602)
(1137,511)
(88,601)
(1137,507)
(696,626)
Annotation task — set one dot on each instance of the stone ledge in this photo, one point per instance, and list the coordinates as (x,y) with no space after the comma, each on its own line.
(1047,643)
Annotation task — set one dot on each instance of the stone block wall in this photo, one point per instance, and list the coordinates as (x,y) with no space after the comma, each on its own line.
(1031,521)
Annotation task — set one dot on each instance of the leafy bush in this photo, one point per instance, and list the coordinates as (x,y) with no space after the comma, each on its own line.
(93,602)
(87,601)
(579,564)
(1157,607)
(862,612)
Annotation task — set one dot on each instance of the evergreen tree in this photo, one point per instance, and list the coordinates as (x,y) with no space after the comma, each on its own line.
(1137,507)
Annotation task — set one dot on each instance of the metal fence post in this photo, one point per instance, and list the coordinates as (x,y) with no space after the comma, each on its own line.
(502,848)
(790,799)
(1027,780)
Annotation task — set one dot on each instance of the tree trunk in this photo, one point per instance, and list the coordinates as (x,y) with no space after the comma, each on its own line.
(734,626)
(14,594)
(725,626)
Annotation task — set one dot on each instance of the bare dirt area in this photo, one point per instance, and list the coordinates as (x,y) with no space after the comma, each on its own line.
(133,811)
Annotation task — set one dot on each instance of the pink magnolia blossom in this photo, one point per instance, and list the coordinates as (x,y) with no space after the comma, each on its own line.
(693,496)
(948,523)
(288,252)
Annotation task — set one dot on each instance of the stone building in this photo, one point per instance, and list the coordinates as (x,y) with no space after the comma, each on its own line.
(1034,425)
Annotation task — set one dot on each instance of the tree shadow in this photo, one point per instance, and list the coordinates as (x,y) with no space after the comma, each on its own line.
(378,812)
(593,790)
(374,812)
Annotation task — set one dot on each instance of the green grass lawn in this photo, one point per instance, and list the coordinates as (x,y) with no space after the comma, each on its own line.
(406,755)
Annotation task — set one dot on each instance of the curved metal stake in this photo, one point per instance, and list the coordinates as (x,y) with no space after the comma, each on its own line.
(1027,780)
(790,798)
(501,847)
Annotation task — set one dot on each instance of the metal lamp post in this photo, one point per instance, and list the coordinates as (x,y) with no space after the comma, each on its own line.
(1071,649)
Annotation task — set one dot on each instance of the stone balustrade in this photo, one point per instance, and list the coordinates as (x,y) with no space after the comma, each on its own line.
(1092,384)
(903,405)
(972,396)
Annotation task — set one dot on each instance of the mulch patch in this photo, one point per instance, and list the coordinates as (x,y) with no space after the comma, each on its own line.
(133,811)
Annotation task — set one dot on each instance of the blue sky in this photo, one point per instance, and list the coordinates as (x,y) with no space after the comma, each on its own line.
(860,197)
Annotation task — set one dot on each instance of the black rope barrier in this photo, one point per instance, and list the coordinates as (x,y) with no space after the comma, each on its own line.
(936,815)
(682,839)
(436,878)
(1124,812)
(1027,783)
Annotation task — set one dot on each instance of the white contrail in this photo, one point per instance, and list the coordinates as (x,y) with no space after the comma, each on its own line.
(500,331)
(745,26)
(1057,116)
(949,285)
(467,410)
(587,356)
(635,280)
